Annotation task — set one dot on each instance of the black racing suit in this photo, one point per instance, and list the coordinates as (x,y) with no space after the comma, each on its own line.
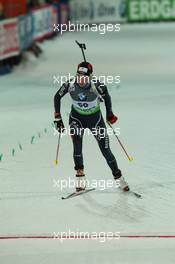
(85,113)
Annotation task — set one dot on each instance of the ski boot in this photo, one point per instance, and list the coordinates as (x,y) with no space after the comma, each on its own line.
(80,180)
(121,182)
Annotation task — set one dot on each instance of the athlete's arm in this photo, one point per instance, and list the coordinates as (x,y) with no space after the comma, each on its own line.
(57,98)
(103,91)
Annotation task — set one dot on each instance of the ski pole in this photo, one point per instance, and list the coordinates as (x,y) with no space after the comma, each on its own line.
(82,47)
(130,158)
(58,147)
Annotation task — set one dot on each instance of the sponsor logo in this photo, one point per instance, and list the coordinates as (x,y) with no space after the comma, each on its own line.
(82,97)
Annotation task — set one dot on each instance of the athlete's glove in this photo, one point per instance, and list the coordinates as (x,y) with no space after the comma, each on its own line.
(111,118)
(59,123)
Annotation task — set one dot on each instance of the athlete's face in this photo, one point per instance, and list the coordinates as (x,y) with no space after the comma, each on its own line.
(82,80)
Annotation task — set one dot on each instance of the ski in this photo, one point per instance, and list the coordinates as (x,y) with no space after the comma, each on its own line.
(74,194)
(135,194)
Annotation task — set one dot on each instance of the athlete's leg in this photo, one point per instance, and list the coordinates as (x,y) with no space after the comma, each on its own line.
(77,132)
(100,133)
(103,142)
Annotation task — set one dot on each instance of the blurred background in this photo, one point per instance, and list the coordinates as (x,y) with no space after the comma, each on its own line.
(32,52)
(23,23)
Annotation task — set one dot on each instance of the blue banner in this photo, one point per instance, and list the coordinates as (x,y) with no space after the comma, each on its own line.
(25,31)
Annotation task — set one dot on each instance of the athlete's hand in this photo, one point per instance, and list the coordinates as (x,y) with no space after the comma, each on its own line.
(111,118)
(59,123)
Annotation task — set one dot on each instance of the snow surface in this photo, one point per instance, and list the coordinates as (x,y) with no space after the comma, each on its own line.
(145,104)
